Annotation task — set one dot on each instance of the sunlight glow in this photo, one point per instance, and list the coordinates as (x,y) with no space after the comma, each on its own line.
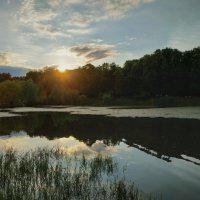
(62,68)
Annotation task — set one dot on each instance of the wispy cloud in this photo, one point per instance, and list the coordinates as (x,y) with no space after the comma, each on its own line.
(3,59)
(81,31)
(48,29)
(102,10)
(92,51)
(131,38)
(10,58)
(110,7)
(97,40)
(40,18)
(80,19)
(29,14)
(118,8)
(54,2)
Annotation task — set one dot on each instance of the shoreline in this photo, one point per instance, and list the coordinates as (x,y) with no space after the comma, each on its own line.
(134,103)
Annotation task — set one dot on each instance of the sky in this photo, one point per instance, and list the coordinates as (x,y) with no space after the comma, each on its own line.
(72,33)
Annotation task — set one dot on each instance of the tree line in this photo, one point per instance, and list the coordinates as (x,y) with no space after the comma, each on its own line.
(166,72)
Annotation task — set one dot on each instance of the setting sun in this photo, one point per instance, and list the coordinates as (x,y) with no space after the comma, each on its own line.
(62,68)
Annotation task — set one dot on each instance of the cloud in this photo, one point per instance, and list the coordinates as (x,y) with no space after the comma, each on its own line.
(9,58)
(95,11)
(103,10)
(82,54)
(110,7)
(80,31)
(97,40)
(21,141)
(29,14)
(118,8)
(72,2)
(80,19)
(92,51)
(39,20)
(54,2)
(131,38)
(3,59)
(54,22)
(49,30)
(100,147)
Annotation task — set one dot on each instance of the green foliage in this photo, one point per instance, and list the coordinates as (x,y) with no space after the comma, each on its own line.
(166,101)
(18,93)
(166,72)
(107,98)
(11,93)
(30,92)
(4,77)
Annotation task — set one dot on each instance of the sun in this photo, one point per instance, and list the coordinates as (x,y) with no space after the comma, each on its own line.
(62,68)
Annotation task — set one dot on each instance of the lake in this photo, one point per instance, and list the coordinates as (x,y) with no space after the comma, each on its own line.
(157,148)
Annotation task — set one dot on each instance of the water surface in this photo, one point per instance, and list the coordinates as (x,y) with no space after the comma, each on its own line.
(158,147)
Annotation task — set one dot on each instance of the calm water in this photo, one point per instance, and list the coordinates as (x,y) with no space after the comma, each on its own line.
(159,147)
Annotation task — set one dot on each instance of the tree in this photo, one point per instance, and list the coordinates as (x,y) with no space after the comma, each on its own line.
(11,94)
(5,76)
(30,92)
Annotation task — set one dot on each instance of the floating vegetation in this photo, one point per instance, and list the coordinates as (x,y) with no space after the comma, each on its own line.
(52,174)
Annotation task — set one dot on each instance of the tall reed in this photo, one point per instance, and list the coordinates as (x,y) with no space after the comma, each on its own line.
(51,174)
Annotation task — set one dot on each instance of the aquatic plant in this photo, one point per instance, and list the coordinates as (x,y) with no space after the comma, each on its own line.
(52,174)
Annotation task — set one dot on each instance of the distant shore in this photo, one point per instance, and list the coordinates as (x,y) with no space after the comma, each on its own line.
(135,102)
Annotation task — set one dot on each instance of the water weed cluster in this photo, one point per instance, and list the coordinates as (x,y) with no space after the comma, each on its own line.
(52,174)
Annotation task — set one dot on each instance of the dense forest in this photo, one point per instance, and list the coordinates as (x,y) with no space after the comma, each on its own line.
(165,74)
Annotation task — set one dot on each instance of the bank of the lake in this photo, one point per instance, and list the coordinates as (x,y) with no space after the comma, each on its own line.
(134,102)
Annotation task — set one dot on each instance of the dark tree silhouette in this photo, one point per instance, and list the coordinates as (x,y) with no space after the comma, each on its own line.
(166,72)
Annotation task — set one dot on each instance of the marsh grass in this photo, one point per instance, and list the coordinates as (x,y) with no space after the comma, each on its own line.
(52,174)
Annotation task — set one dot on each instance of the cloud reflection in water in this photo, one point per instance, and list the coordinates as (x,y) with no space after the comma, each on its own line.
(21,141)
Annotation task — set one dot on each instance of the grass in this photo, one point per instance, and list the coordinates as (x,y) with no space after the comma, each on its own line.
(51,174)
